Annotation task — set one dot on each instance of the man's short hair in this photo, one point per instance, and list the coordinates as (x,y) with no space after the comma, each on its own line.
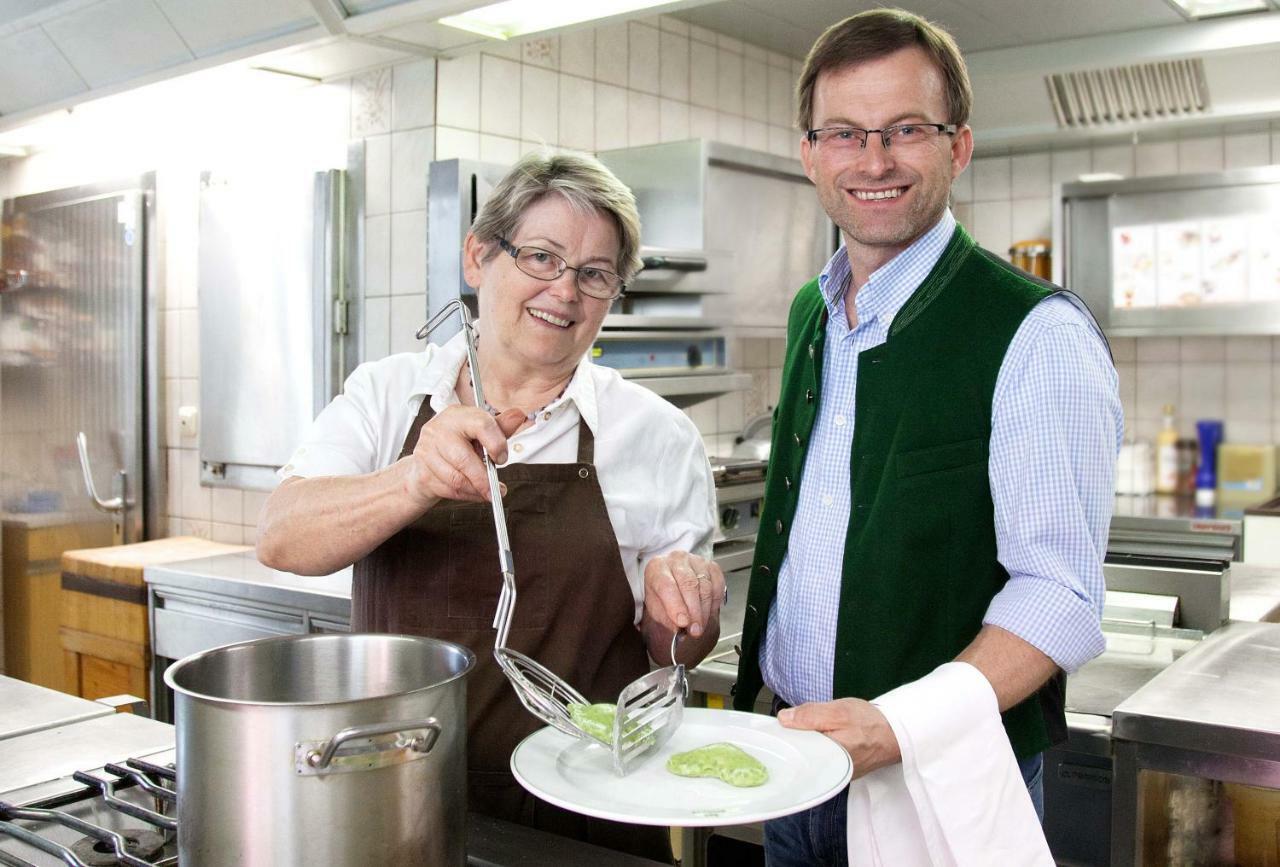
(874,34)
(584,182)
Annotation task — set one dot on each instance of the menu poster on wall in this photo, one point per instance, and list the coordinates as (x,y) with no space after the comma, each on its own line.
(1178,264)
(1225,260)
(1264,262)
(1133,266)
(1188,263)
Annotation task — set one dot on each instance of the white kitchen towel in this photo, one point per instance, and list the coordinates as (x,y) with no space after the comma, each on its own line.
(957,798)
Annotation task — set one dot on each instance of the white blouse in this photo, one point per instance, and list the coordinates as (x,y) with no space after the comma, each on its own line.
(649,457)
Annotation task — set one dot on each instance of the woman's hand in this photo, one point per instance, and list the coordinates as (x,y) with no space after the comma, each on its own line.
(683,591)
(446,464)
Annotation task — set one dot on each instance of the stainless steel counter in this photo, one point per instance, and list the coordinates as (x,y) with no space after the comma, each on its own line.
(242,576)
(25,708)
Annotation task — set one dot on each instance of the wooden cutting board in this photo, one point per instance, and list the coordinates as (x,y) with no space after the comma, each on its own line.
(123,564)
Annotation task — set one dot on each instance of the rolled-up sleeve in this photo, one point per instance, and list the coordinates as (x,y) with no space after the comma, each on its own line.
(1057,424)
(343,439)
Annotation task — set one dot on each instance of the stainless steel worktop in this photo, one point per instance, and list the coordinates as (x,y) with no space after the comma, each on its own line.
(242,576)
(25,708)
(1222,697)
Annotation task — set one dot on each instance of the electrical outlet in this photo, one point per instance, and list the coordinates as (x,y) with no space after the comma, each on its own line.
(188,420)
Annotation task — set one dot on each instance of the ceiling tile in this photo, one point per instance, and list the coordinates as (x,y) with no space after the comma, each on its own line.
(117,40)
(33,72)
(12,10)
(210,28)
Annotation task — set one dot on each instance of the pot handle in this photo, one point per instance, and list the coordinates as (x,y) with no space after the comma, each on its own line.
(319,759)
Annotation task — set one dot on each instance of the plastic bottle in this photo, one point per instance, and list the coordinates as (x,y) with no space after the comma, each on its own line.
(1210,435)
(1167,455)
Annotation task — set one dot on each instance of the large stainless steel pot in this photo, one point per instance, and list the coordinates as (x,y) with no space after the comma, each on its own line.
(322,749)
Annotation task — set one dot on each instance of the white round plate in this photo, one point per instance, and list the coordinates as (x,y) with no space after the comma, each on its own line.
(805,768)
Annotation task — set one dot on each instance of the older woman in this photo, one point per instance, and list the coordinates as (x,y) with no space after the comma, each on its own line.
(607,490)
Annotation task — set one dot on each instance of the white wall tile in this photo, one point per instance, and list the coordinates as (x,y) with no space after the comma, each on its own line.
(730,413)
(1031,218)
(500,149)
(1124,348)
(253,503)
(500,84)
(642,58)
(461,144)
(612,56)
(377,255)
(458,92)
(230,534)
(784,142)
(199,529)
(755,52)
(755,83)
(703,415)
(1246,150)
(1248,348)
(409,253)
(1030,176)
(964,216)
(644,122)
(1200,155)
(1158,349)
(377,175)
(509,50)
(1275,148)
(674,120)
(992,226)
(729,128)
(411,154)
(1069,165)
(577,113)
(228,506)
(540,105)
(703,81)
(962,187)
(702,34)
(377,328)
(1127,376)
(703,122)
(1203,394)
(674,66)
(578,52)
(189,330)
(197,501)
(781,103)
(671,24)
(1249,391)
(371,111)
(729,88)
(171,337)
(173,483)
(413,94)
(755,135)
(1158,384)
(541,51)
(1203,349)
(1247,431)
(611,117)
(1117,159)
(730,43)
(1153,159)
(408,312)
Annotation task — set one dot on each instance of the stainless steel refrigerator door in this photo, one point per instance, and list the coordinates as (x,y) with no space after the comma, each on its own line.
(75,315)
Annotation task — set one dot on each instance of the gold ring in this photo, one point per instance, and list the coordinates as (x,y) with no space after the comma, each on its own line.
(703,576)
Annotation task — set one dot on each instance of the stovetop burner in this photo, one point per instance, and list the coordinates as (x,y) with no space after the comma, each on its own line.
(121,815)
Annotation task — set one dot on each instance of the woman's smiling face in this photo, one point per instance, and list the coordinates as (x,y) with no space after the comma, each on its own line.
(543,324)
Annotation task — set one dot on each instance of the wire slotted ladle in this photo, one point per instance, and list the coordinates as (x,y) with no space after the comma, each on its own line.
(648,709)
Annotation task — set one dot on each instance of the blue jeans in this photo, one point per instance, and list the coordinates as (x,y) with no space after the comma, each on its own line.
(816,837)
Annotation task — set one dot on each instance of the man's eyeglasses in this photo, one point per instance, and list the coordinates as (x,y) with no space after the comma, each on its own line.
(900,135)
(545,265)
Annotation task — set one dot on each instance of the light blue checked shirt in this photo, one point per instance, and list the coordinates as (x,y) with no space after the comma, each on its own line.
(1056,428)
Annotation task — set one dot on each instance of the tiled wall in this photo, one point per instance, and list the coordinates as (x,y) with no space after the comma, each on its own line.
(1002,199)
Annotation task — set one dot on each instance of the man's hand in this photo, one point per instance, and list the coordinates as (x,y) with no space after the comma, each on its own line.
(446,463)
(854,724)
(683,591)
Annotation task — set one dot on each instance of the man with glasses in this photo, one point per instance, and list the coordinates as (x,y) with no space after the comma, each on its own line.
(940,482)
(609,500)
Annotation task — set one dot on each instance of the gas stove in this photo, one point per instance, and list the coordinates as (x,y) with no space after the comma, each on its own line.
(739,495)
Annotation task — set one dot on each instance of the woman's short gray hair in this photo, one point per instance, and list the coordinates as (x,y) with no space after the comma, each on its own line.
(584,182)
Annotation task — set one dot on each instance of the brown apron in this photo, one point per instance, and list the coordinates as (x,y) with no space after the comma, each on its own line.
(575,614)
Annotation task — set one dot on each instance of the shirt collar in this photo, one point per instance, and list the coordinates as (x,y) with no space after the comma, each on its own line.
(438,375)
(892,284)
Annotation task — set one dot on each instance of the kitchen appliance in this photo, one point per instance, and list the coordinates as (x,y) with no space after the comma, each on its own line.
(755,439)
(739,496)
(356,745)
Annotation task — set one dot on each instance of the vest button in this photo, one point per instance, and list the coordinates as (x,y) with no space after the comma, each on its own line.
(796,437)
(812,350)
(778,526)
(763,570)
(808,395)
(786,481)
(583,472)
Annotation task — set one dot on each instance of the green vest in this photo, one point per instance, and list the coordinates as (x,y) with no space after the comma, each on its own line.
(920,562)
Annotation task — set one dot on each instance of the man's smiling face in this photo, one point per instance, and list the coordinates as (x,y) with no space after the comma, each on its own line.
(883,199)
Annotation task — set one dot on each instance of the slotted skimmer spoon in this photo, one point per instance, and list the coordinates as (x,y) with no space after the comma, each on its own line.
(649,708)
